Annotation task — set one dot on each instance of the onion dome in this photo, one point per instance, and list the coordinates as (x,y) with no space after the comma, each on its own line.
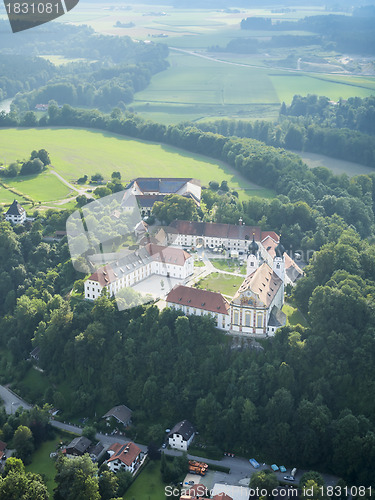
(279,250)
(253,247)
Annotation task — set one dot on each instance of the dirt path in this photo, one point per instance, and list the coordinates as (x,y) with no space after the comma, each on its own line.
(79,191)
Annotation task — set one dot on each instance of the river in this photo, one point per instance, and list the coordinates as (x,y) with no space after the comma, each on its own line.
(336,166)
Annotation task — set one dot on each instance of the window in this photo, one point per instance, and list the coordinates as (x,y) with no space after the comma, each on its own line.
(236,317)
(277,266)
(259,320)
(247,318)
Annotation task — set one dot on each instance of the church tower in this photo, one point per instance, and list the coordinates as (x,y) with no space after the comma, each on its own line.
(252,257)
(279,262)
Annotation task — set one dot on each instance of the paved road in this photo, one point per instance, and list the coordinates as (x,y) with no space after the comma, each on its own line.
(240,468)
(106,440)
(233,63)
(11,400)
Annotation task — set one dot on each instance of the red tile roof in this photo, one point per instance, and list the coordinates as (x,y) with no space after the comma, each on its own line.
(270,245)
(222,496)
(215,230)
(263,282)
(199,299)
(2,445)
(104,276)
(126,453)
(195,492)
(169,255)
(271,234)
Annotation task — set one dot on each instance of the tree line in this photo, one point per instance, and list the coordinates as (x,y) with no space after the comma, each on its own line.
(37,162)
(101,71)
(353,34)
(355,113)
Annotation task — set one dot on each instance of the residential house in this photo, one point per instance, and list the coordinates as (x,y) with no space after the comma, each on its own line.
(78,447)
(181,436)
(15,213)
(121,413)
(126,456)
(195,492)
(229,492)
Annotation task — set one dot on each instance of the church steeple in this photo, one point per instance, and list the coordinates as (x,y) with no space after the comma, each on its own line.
(279,262)
(252,257)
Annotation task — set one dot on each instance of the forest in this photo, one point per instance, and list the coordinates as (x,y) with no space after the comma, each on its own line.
(100,71)
(353,34)
(304,398)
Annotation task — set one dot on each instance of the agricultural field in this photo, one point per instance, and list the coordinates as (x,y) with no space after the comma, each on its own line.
(201,85)
(198,87)
(75,152)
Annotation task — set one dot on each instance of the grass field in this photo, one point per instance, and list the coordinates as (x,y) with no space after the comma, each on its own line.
(43,464)
(196,88)
(223,283)
(7,196)
(43,187)
(149,485)
(293,315)
(75,152)
(237,86)
(229,265)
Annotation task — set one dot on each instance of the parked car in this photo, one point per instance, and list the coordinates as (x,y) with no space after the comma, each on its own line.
(163,446)
(289,478)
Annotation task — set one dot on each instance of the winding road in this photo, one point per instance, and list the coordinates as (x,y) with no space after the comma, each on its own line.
(240,469)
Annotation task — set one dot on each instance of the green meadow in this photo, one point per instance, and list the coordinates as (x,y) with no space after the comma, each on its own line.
(41,188)
(199,88)
(227,284)
(245,86)
(148,485)
(43,464)
(75,152)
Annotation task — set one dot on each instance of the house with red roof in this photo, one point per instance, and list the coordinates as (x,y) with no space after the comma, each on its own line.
(126,456)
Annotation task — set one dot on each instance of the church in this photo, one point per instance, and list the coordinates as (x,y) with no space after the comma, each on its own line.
(255,309)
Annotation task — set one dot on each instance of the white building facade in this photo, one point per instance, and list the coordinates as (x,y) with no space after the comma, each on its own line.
(126,457)
(15,213)
(200,303)
(181,436)
(150,260)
